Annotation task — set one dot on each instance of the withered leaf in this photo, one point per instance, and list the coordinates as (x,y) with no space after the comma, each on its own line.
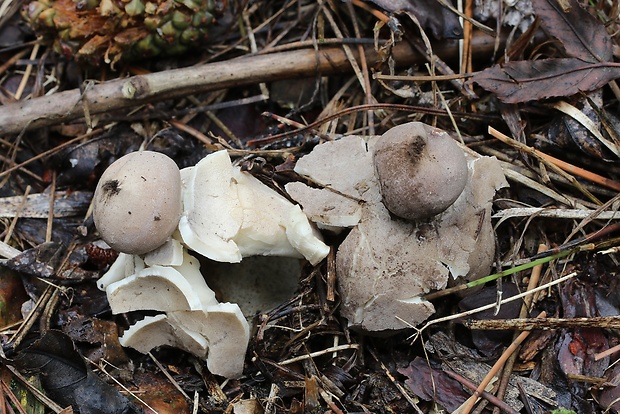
(524,81)
(609,396)
(569,134)
(40,261)
(48,260)
(581,34)
(441,22)
(100,333)
(490,342)
(68,381)
(432,384)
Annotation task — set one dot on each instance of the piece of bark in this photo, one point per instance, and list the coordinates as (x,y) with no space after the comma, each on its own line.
(66,204)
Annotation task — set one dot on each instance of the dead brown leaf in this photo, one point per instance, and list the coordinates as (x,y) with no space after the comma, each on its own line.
(441,22)
(523,81)
(581,34)
(433,385)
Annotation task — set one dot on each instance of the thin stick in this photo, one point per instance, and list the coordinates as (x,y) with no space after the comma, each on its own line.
(469,404)
(489,306)
(167,374)
(533,282)
(396,383)
(50,215)
(246,20)
(27,72)
(9,232)
(588,175)
(608,352)
(50,151)
(319,353)
(11,162)
(558,213)
(525,309)
(498,275)
(377,13)
(421,78)
(467,32)
(196,402)
(12,61)
(3,399)
(582,242)
(35,391)
(364,64)
(528,324)
(121,385)
(8,252)
(331,275)
(486,395)
(208,142)
(32,317)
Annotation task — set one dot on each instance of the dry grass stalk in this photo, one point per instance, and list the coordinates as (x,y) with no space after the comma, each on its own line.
(469,404)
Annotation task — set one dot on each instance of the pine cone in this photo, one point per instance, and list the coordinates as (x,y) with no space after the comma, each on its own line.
(89,30)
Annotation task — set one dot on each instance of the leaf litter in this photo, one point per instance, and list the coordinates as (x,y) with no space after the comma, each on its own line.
(303,357)
(586,66)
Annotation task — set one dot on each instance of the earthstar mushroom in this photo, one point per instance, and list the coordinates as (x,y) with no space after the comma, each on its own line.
(193,321)
(227,333)
(162,288)
(158,330)
(220,212)
(386,264)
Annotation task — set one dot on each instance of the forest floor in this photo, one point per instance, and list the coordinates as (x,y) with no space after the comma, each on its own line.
(532,85)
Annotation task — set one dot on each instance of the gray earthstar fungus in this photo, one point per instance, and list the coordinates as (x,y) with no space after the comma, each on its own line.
(398,250)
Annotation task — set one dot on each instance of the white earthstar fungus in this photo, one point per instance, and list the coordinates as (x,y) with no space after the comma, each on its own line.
(329,210)
(212,215)
(227,333)
(160,288)
(421,170)
(168,254)
(154,331)
(220,212)
(219,333)
(125,265)
(386,264)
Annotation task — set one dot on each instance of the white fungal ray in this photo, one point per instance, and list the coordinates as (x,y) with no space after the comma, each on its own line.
(212,215)
(154,331)
(229,214)
(227,333)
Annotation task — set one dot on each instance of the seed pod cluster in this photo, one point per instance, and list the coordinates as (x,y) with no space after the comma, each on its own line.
(113,30)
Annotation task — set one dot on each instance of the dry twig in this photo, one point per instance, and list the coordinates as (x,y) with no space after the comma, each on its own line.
(469,404)
(137,90)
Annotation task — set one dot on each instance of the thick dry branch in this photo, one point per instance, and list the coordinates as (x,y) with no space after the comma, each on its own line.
(528,324)
(137,90)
